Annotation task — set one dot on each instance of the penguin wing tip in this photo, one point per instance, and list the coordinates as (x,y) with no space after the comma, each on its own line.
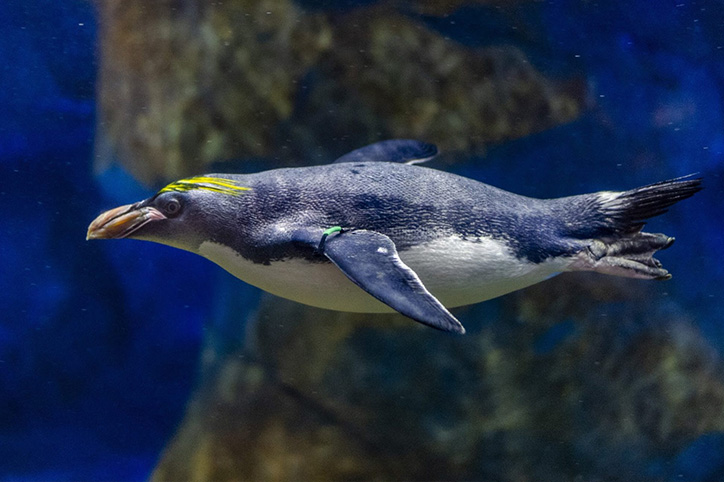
(449,324)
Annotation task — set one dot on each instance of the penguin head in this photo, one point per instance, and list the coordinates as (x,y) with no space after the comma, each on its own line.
(183,214)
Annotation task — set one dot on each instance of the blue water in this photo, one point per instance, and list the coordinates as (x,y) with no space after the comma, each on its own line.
(99,348)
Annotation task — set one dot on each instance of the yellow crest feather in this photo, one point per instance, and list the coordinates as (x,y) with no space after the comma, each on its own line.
(206,183)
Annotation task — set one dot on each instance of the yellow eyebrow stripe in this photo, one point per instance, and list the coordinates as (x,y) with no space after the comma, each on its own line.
(206,183)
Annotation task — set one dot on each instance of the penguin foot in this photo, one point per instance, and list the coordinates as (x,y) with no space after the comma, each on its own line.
(630,256)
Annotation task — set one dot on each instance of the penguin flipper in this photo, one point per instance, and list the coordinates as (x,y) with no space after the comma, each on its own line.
(403,151)
(371,261)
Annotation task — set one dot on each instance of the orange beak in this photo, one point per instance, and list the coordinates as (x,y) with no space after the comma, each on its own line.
(122,221)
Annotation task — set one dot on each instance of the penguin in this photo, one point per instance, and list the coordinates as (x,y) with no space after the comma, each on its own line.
(373,232)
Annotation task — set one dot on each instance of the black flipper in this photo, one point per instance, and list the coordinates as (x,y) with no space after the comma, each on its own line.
(371,261)
(403,151)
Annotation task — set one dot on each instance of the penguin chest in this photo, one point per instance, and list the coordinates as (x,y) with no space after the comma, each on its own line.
(316,284)
(457,272)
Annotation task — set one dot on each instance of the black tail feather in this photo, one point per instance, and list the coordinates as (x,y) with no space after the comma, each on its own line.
(627,211)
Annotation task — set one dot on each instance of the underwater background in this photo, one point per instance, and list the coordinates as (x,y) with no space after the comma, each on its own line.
(127,360)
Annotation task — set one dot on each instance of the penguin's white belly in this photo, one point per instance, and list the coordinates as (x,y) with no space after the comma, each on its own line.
(457,272)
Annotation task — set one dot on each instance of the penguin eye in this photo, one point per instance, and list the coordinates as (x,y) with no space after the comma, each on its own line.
(172,207)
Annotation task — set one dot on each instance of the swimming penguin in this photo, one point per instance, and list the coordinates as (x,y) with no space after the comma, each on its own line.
(373,233)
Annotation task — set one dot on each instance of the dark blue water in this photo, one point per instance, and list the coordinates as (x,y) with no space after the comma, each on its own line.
(99,348)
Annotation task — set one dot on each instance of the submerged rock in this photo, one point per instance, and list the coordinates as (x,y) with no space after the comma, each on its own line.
(387,73)
(182,85)
(319,395)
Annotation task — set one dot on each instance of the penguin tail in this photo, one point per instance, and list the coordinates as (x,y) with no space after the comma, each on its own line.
(625,212)
(616,243)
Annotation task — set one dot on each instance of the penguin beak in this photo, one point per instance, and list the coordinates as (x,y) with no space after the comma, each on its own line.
(122,221)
